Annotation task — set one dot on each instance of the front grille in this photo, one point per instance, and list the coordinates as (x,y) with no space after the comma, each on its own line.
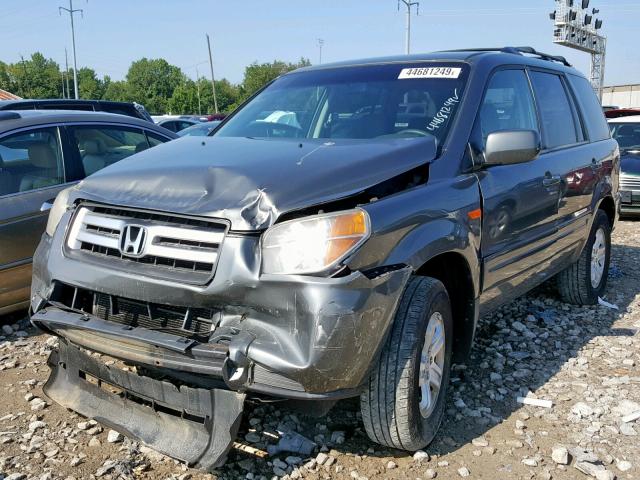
(190,322)
(629,182)
(172,247)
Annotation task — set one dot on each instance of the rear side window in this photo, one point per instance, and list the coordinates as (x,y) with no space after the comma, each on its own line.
(556,114)
(30,160)
(591,110)
(100,147)
(508,104)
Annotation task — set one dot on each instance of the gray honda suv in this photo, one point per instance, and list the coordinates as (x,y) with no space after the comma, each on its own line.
(338,236)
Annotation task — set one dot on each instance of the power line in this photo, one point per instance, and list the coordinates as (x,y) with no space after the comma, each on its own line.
(71,11)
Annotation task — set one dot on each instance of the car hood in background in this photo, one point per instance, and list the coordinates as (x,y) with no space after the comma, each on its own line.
(630,163)
(249,181)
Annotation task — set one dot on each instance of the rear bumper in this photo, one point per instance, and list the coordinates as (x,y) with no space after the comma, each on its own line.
(195,425)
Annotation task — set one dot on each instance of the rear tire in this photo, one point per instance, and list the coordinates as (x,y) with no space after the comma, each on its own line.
(401,407)
(582,282)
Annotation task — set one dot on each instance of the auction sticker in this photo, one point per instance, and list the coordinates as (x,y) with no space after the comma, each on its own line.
(429,72)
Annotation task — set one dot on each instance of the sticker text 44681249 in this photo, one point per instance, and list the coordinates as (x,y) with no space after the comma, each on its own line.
(429,72)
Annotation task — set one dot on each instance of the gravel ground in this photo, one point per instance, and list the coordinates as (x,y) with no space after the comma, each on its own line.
(584,360)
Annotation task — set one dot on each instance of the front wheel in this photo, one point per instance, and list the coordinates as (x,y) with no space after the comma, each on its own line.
(403,403)
(582,282)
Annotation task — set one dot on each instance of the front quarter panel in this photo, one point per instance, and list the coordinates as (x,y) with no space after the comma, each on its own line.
(415,226)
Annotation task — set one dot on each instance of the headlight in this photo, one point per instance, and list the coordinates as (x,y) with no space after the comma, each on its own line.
(313,244)
(59,207)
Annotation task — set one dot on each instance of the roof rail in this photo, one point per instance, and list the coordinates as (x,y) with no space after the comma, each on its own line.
(543,56)
(9,115)
(518,51)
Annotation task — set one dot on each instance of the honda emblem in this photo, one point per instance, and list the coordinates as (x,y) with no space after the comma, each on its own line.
(132,240)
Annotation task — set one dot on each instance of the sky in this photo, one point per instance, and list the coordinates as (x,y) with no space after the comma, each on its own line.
(113,33)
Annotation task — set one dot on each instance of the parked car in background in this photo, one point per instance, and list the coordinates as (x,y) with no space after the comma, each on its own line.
(626,130)
(199,129)
(132,109)
(608,108)
(41,153)
(178,123)
(344,248)
(622,112)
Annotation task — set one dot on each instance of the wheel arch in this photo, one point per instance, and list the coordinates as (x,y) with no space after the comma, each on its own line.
(453,270)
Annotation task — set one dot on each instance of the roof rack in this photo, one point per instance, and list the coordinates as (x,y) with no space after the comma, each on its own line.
(519,51)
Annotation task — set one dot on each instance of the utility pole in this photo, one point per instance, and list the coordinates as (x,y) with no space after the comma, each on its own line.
(409,4)
(62,76)
(71,11)
(66,66)
(320,45)
(198,88)
(213,84)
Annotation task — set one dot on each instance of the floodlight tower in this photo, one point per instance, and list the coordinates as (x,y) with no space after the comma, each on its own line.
(576,27)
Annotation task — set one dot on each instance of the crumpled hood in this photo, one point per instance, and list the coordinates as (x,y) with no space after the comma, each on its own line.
(252,181)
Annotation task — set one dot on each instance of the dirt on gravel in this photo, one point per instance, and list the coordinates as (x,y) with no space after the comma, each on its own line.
(585,360)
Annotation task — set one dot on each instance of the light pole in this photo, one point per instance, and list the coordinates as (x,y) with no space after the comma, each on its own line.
(409,4)
(320,45)
(213,84)
(71,11)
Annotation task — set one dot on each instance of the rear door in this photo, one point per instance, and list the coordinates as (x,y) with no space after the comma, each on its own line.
(95,147)
(32,173)
(573,163)
(520,201)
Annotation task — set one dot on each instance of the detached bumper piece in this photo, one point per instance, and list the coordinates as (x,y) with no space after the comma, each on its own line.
(197,426)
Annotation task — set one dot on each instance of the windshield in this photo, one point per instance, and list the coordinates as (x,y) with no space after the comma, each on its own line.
(627,134)
(374,101)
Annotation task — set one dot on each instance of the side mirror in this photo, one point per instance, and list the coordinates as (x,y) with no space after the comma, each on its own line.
(511,146)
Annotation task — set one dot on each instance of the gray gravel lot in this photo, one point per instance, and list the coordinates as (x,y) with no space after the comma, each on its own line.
(584,360)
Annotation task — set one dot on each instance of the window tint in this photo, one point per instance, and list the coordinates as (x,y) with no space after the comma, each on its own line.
(508,104)
(100,147)
(558,124)
(30,160)
(591,110)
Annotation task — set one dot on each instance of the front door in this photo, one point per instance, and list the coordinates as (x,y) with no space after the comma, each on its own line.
(520,201)
(31,175)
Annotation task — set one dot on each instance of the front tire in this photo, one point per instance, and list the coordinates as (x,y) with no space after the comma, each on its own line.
(582,282)
(403,404)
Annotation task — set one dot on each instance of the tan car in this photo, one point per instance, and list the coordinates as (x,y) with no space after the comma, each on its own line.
(41,153)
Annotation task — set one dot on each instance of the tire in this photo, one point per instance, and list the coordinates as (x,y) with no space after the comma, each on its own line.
(390,404)
(575,283)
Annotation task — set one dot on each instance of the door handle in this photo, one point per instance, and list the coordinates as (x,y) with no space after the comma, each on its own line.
(46,206)
(551,180)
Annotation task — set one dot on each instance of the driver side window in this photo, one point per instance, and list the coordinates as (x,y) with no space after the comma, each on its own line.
(508,104)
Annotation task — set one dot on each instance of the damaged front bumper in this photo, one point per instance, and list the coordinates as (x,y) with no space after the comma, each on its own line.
(286,336)
(195,425)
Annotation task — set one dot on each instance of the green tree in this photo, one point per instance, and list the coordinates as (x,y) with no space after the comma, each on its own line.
(258,75)
(117,91)
(89,85)
(152,82)
(37,77)
(184,99)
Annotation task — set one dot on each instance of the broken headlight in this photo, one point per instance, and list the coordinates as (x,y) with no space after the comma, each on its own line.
(60,206)
(313,244)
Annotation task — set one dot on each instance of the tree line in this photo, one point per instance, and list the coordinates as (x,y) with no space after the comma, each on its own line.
(155,83)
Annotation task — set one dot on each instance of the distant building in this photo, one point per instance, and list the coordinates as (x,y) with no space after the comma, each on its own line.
(4,95)
(622,96)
